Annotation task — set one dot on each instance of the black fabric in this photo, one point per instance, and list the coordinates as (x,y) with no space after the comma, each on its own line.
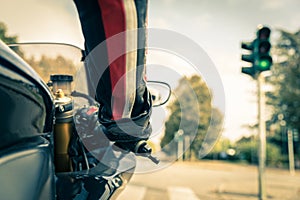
(141,10)
(91,23)
(130,130)
(93,31)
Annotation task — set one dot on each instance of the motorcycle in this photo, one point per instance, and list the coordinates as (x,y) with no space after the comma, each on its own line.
(51,143)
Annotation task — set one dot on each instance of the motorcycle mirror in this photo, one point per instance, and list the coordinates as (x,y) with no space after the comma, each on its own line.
(160,92)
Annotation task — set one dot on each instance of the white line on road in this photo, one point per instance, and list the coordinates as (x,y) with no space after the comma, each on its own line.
(179,193)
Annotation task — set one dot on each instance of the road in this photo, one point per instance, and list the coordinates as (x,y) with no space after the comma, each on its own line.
(211,180)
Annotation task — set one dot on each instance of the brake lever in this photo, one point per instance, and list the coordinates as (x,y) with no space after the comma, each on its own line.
(142,149)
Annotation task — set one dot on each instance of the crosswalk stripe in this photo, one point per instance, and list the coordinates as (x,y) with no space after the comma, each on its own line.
(174,193)
(179,193)
(132,192)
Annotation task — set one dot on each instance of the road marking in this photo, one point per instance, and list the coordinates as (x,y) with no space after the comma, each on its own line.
(174,193)
(132,192)
(179,193)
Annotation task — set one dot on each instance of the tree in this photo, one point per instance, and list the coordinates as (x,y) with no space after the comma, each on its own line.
(220,149)
(6,38)
(284,99)
(247,150)
(191,111)
(9,39)
(213,133)
(45,66)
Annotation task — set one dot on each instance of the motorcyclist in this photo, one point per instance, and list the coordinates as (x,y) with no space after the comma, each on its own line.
(118,84)
(121,89)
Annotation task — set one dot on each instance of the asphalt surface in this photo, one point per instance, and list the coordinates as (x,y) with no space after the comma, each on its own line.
(211,180)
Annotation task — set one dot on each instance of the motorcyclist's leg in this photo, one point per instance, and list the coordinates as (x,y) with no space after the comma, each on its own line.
(120,23)
(121,89)
(133,124)
(98,73)
(142,12)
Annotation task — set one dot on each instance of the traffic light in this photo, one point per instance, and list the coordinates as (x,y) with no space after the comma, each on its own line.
(258,53)
(249,58)
(263,60)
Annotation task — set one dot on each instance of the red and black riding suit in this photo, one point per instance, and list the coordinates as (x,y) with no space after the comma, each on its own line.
(121,90)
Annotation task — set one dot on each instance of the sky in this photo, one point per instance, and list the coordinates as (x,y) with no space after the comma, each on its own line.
(217,26)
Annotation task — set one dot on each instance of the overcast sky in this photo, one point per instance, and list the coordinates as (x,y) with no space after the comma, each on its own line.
(218,26)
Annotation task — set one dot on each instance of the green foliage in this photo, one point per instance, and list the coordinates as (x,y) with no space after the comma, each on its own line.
(45,66)
(247,149)
(191,111)
(8,39)
(274,157)
(284,99)
(286,79)
(219,149)
(4,37)
(213,133)
(222,145)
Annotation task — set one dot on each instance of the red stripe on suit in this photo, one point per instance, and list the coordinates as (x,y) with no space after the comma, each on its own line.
(114,22)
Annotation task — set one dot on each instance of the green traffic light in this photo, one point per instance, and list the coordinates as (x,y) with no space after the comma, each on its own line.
(264,64)
(258,56)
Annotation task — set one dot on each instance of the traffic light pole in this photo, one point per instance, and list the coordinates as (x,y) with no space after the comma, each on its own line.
(261,138)
(260,59)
